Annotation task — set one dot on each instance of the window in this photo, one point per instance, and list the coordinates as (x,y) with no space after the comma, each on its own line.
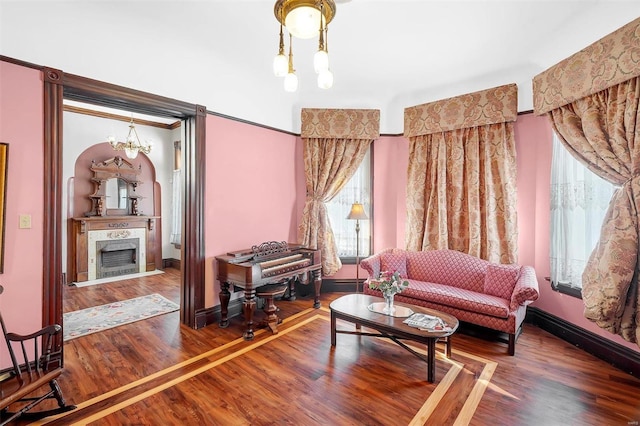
(358,189)
(579,201)
(176,202)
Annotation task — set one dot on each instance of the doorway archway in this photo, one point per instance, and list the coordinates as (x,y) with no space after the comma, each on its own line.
(57,86)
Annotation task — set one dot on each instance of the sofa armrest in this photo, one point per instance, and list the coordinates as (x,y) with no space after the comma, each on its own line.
(526,289)
(372,263)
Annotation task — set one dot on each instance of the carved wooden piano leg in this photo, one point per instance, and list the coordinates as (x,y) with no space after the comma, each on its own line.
(249,306)
(317,282)
(292,289)
(224,295)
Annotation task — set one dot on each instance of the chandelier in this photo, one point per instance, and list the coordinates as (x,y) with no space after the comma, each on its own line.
(132,145)
(304,19)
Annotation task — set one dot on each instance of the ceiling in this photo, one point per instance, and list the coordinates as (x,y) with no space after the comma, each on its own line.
(386,55)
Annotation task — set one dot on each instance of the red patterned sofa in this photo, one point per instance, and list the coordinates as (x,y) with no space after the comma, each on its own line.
(473,290)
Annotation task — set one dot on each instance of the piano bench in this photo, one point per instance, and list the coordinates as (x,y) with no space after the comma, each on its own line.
(268,293)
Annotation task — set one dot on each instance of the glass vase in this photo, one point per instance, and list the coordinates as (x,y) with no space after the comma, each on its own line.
(388,309)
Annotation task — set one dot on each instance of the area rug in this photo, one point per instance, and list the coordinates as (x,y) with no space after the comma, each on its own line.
(99,318)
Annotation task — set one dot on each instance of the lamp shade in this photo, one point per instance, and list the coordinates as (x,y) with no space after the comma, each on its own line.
(303,21)
(302,17)
(321,61)
(325,79)
(357,212)
(280,65)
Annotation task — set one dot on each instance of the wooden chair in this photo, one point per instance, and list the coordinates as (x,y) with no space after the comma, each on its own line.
(18,384)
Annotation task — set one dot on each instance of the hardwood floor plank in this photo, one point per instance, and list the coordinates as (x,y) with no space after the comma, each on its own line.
(157,371)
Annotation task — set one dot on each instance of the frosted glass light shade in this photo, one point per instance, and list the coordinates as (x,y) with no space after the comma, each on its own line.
(303,22)
(290,82)
(321,61)
(131,153)
(325,79)
(280,65)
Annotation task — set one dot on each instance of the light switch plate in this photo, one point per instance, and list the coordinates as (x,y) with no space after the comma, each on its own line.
(25,221)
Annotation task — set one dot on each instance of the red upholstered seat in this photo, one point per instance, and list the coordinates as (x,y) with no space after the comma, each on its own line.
(472,289)
(458,298)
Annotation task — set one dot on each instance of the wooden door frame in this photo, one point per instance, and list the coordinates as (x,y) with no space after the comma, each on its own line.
(59,85)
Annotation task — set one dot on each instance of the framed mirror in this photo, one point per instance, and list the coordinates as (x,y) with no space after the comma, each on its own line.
(117,193)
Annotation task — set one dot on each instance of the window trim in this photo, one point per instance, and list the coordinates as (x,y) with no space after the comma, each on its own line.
(565,289)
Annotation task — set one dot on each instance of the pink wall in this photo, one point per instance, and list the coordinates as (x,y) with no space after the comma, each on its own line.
(21,126)
(254,193)
(254,181)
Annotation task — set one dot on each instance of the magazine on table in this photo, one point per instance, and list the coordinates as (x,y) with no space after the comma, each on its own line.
(427,322)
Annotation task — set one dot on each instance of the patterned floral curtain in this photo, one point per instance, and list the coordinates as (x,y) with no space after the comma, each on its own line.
(335,142)
(592,99)
(608,147)
(461,190)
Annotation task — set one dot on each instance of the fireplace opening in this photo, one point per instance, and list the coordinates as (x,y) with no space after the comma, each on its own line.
(117,257)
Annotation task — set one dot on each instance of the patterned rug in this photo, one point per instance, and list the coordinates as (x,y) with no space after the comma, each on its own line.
(99,318)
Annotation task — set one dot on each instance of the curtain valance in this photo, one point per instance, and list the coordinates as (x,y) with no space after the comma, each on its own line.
(607,62)
(341,123)
(491,106)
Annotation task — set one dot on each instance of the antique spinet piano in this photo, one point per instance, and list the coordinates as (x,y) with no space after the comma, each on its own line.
(268,263)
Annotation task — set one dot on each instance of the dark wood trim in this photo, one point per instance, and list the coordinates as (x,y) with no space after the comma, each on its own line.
(59,85)
(331,285)
(252,123)
(193,226)
(52,232)
(21,63)
(567,289)
(171,263)
(103,114)
(613,353)
(212,315)
(96,92)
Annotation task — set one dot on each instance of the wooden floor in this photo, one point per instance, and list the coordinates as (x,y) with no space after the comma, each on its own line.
(157,371)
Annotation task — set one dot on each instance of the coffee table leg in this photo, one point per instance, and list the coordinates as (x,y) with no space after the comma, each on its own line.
(333,328)
(431,360)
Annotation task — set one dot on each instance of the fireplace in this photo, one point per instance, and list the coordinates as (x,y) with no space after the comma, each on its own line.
(122,236)
(117,252)
(120,257)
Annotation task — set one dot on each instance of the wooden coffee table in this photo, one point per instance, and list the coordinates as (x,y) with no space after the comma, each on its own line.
(354,308)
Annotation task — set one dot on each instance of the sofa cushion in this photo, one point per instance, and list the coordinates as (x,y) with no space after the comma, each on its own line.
(459,298)
(448,267)
(500,280)
(394,262)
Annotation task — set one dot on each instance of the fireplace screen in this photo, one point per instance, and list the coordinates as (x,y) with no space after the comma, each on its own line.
(117,257)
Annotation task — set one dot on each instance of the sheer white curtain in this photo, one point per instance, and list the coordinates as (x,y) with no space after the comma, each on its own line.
(358,189)
(176,209)
(579,201)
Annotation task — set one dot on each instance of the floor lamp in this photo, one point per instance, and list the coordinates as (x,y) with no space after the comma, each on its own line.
(357,213)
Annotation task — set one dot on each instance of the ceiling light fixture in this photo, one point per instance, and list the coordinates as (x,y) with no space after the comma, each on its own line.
(304,19)
(132,145)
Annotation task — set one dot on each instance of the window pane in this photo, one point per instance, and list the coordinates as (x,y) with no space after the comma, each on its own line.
(358,189)
(579,202)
